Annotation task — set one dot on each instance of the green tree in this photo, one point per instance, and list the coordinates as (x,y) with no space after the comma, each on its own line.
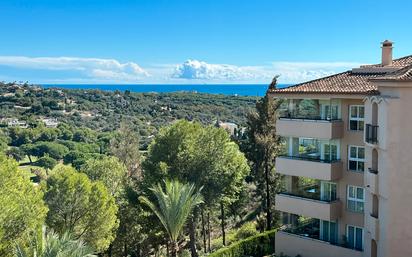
(125,146)
(203,156)
(262,146)
(4,141)
(46,162)
(49,244)
(81,207)
(39,149)
(22,209)
(108,170)
(173,206)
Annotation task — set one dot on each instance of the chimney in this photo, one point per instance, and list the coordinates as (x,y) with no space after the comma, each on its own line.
(387,53)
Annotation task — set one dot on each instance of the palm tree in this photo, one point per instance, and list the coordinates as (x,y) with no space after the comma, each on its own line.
(173,206)
(51,245)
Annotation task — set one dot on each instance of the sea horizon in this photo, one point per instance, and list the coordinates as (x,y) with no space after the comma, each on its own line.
(225,89)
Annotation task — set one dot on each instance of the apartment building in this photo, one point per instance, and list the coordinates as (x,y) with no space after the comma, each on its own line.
(347,162)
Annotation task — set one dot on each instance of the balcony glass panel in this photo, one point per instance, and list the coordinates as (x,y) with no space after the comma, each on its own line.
(312,109)
(314,228)
(311,189)
(311,149)
(326,231)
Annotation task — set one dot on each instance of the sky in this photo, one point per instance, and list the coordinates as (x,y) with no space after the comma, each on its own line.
(195,41)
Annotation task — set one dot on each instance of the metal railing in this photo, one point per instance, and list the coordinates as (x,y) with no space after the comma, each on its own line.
(371,134)
(305,158)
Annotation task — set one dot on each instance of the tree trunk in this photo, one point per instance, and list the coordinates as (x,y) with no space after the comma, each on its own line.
(204,231)
(109,252)
(222,217)
(268,203)
(208,230)
(125,250)
(31,162)
(174,249)
(192,234)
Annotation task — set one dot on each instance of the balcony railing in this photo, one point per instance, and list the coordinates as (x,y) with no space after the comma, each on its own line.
(314,195)
(308,117)
(371,135)
(306,158)
(311,230)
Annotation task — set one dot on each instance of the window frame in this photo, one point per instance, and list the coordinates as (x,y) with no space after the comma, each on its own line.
(354,237)
(355,199)
(356,159)
(357,118)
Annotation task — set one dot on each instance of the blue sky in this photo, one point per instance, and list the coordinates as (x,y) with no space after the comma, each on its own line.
(198,41)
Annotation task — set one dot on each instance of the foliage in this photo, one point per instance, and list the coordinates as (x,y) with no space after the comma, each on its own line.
(259,245)
(22,209)
(82,207)
(246,230)
(261,147)
(105,110)
(54,150)
(46,162)
(173,206)
(15,153)
(204,156)
(108,170)
(52,245)
(125,146)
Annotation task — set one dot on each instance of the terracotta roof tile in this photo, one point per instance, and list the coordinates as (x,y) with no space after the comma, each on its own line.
(404,74)
(350,82)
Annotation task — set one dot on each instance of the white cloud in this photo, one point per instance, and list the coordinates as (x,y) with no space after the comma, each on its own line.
(98,70)
(290,72)
(199,70)
(94,68)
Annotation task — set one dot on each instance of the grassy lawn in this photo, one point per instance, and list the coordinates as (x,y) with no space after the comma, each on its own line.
(25,165)
(28,168)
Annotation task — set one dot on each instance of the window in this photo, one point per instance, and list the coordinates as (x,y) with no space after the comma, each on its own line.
(355,199)
(327,191)
(354,236)
(356,160)
(329,231)
(356,117)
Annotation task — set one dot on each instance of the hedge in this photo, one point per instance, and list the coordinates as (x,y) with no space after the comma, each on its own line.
(256,246)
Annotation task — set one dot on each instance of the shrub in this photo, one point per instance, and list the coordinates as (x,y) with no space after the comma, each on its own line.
(245,231)
(256,246)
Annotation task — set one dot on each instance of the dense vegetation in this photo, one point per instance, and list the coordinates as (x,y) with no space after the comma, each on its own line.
(105,110)
(188,190)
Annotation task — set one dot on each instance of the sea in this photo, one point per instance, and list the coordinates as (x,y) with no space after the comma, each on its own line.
(225,89)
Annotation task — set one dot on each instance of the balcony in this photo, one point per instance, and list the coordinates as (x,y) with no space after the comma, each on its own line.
(310,168)
(372,225)
(371,181)
(327,129)
(325,210)
(294,244)
(371,134)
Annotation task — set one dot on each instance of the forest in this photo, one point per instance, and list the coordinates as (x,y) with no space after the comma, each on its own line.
(88,186)
(103,111)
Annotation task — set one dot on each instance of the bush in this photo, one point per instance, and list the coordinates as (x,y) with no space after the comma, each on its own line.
(46,162)
(245,231)
(256,246)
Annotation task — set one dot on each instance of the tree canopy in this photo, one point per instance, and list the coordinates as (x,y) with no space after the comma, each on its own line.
(22,209)
(81,207)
